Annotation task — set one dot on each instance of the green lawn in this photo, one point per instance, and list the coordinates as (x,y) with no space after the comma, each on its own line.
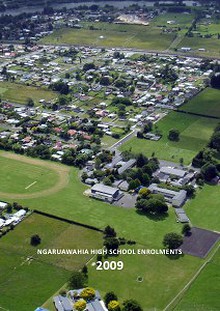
(212,45)
(113,35)
(207,103)
(72,204)
(24,285)
(35,176)
(194,135)
(203,295)
(203,210)
(19,93)
(30,281)
(181,20)
(162,278)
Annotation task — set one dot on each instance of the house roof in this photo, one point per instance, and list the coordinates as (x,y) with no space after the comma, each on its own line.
(126,165)
(62,303)
(173,171)
(104,189)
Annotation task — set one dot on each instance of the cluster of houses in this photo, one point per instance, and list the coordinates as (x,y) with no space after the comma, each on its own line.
(150,92)
(66,303)
(10,219)
(174,194)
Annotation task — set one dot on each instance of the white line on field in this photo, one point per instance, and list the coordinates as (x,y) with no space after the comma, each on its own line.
(33,183)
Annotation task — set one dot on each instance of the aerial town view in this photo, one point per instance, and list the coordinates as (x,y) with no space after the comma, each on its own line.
(109,155)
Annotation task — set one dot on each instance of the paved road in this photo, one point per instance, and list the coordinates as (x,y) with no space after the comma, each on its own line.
(123,140)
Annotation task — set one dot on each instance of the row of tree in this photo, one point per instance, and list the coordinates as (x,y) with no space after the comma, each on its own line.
(206,158)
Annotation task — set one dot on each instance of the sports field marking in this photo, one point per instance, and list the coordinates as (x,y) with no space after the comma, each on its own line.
(33,183)
(62,171)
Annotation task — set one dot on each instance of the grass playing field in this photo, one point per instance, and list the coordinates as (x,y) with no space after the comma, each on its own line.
(194,134)
(161,278)
(113,35)
(203,295)
(69,202)
(207,103)
(211,45)
(31,178)
(30,283)
(203,209)
(19,93)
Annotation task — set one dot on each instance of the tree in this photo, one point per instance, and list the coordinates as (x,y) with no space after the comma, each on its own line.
(77,280)
(111,244)
(114,305)
(143,193)
(181,161)
(85,270)
(209,171)
(215,141)
(30,102)
(88,66)
(61,87)
(105,81)
(173,135)
(88,293)
(190,190)
(110,296)
(172,240)
(152,206)
(109,232)
(186,230)
(141,160)
(84,176)
(9,208)
(80,305)
(35,240)
(131,305)
(63,100)
(133,184)
(215,80)
(107,181)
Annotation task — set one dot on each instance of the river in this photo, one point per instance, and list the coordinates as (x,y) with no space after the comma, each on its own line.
(118,4)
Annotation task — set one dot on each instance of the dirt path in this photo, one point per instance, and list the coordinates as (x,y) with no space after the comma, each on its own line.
(61,170)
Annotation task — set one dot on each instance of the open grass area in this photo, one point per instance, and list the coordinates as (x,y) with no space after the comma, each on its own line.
(48,177)
(207,103)
(24,286)
(162,278)
(31,282)
(181,20)
(203,210)
(158,271)
(30,178)
(203,295)
(113,35)
(212,46)
(194,135)
(19,93)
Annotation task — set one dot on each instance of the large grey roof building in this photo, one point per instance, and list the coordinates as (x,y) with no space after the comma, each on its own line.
(105,193)
(173,171)
(176,198)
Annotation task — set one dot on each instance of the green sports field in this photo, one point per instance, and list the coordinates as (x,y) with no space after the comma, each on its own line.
(203,295)
(69,202)
(30,178)
(203,210)
(206,103)
(194,135)
(113,35)
(19,93)
(33,281)
(162,278)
